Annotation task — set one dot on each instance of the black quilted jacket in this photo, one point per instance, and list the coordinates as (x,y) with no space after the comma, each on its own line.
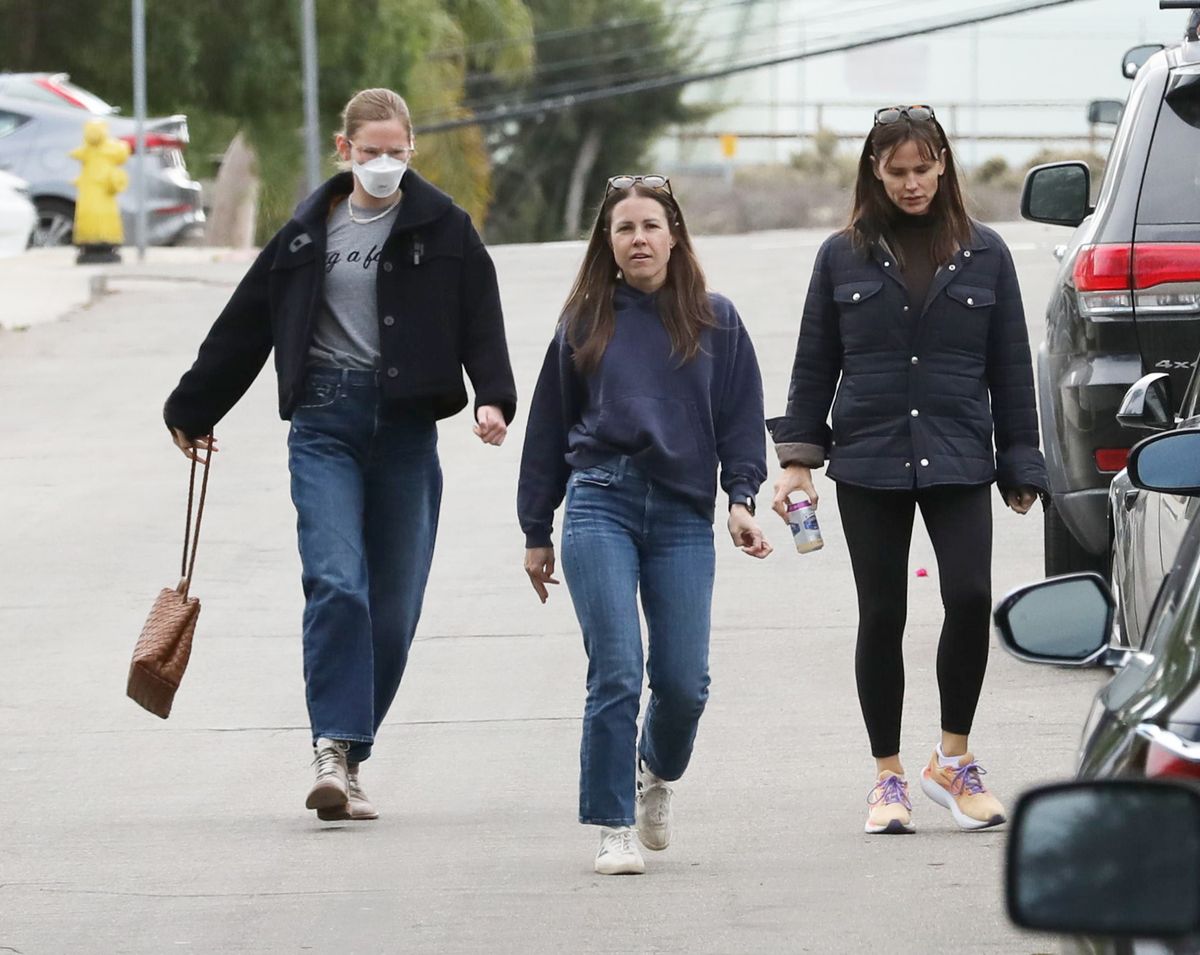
(917,389)
(439,312)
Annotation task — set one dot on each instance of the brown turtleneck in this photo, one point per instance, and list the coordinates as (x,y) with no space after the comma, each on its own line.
(911,238)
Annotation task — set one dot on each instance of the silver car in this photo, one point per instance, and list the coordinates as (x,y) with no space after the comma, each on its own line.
(1147,527)
(41,121)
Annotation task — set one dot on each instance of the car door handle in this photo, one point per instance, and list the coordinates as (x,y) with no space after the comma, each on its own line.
(1131,497)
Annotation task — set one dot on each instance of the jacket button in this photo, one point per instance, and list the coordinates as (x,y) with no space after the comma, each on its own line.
(389,320)
(393,372)
(970,301)
(908,464)
(952,266)
(914,412)
(906,308)
(387,266)
(924,462)
(856,296)
(887,265)
(967,254)
(916,360)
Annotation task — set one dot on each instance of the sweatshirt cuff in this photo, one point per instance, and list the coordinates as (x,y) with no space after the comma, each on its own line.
(739,492)
(797,452)
(539,537)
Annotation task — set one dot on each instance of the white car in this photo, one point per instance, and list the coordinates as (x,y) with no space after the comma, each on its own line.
(18,217)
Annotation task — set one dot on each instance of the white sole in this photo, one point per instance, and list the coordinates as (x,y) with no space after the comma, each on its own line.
(647,839)
(894,828)
(946,801)
(637,867)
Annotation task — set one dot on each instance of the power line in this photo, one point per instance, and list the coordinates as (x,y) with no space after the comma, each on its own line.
(546,67)
(563,102)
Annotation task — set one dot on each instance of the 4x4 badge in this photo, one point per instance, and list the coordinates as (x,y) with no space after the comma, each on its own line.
(1168,364)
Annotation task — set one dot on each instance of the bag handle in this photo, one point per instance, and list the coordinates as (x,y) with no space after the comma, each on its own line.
(186,567)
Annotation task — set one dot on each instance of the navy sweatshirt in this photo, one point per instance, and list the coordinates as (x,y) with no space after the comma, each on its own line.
(675,421)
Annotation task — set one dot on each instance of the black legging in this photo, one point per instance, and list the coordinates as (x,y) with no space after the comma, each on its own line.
(878,527)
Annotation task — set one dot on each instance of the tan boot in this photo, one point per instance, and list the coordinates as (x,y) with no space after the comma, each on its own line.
(891,811)
(357,806)
(959,789)
(331,787)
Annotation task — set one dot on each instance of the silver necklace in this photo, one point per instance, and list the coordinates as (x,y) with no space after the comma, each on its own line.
(376,218)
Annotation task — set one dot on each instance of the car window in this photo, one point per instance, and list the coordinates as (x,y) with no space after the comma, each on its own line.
(1171,187)
(1191,399)
(10,122)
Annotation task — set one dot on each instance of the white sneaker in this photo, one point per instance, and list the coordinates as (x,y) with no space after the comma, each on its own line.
(653,809)
(619,853)
(332,786)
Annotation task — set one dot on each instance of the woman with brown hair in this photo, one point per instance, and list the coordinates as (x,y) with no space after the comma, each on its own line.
(375,297)
(913,331)
(649,383)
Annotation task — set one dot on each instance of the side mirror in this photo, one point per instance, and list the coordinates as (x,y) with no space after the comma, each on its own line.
(1136,58)
(1057,193)
(1108,858)
(1065,620)
(1147,404)
(1105,112)
(1167,462)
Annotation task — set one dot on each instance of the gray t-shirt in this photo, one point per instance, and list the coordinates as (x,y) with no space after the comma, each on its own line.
(347,333)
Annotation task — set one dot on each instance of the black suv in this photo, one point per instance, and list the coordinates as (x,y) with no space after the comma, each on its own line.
(1127,299)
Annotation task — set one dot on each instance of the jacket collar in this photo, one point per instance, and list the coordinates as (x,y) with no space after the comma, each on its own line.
(422,203)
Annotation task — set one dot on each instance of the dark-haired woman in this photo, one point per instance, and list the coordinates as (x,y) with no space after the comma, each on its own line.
(649,383)
(913,331)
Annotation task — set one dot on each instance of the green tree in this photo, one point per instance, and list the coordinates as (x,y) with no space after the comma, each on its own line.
(232,67)
(551,169)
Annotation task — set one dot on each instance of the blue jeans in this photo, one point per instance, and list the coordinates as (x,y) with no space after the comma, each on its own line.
(621,533)
(367,488)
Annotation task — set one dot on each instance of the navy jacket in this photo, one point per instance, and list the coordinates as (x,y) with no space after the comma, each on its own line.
(676,422)
(920,386)
(439,311)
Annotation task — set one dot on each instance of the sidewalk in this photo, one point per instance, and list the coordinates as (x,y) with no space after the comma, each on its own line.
(42,285)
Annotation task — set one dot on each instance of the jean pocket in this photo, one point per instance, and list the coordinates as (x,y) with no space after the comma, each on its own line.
(598,476)
(318,394)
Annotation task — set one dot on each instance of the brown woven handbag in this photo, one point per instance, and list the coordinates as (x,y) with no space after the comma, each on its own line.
(162,651)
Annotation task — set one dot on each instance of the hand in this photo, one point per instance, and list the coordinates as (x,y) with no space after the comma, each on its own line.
(539,565)
(191,447)
(747,535)
(1021,500)
(489,425)
(795,477)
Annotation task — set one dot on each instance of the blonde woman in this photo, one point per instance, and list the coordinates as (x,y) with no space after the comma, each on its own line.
(374,297)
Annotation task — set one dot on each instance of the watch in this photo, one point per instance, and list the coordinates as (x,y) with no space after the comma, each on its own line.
(744,499)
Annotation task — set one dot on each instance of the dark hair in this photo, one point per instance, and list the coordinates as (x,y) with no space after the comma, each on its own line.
(683,300)
(874,212)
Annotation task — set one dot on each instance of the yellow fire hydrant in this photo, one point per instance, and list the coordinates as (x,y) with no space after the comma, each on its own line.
(98,229)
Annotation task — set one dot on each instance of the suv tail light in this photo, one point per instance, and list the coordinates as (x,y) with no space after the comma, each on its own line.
(155,141)
(1155,279)
(1111,460)
(1162,763)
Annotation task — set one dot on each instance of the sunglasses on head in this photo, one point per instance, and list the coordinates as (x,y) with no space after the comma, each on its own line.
(893,114)
(625,182)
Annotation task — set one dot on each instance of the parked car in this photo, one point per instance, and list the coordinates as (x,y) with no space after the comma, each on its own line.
(17,215)
(1145,722)
(1117,860)
(1127,298)
(1147,526)
(41,121)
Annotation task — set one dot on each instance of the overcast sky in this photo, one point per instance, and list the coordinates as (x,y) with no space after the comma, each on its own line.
(1068,54)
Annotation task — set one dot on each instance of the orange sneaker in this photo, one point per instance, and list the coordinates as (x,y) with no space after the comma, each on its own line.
(959,789)
(891,812)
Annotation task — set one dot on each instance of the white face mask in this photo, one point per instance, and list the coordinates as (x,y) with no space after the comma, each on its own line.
(381,176)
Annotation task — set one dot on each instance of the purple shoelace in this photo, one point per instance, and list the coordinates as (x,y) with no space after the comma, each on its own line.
(966,779)
(891,790)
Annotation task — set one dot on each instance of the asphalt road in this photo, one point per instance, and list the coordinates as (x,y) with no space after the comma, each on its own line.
(123,834)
